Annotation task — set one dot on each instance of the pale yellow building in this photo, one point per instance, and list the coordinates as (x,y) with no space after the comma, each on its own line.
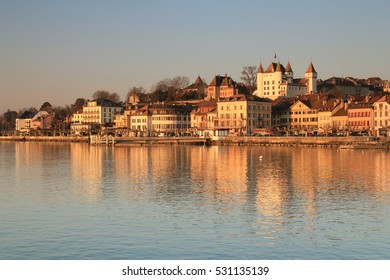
(382,115)
(303,116)
(241,114)
(100,111)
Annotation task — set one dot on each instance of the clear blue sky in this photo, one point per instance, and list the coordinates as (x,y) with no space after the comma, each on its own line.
(57,51)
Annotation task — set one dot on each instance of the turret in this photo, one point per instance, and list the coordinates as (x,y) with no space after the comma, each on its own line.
(260,81)
(289,73)
(311,77)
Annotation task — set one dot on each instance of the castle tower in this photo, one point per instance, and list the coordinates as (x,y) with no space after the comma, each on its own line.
(311,77)
(260,81)
(278,77)
(289,73)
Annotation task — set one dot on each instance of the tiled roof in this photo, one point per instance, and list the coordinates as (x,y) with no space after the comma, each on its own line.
(340,113)
(288,67)
(311,69)
(273,68)
(260,69)
(245,97)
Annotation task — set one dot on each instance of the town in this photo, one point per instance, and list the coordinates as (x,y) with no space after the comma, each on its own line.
(270,101)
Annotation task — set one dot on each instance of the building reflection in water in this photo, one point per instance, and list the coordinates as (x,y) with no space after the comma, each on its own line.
(275,184)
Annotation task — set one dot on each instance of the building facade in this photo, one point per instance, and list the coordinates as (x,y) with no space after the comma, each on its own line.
(382,116)
(100,111)
(241,114)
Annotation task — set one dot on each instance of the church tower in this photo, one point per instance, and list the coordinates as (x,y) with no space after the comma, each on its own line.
(311,77)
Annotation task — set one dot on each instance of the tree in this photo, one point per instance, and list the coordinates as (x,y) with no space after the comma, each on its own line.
(169,89)
(114,97)
(46,107)
(78,105)
(179,82)
(136,93)
(249,75)
(8,119)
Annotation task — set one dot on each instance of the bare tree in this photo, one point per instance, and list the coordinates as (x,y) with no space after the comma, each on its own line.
(179,82)
(135,93)
(114,97)
(249,75)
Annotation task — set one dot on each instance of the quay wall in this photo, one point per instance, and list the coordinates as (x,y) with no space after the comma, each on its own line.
(367,142)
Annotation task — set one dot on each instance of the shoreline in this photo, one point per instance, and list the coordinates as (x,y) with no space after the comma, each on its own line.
(349,142)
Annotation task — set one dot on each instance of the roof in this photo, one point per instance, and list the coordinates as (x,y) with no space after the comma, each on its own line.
(260,69)
(274,67)
(244,97)
(288,67)
(340,113)
(311,69)
(217,81)
(106,102)
(384,98)
(27,115)
(228,81)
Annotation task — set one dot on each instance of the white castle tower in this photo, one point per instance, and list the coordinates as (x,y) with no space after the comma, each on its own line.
(311,77)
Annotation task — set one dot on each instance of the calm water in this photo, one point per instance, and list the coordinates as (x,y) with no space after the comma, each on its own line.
(75,201)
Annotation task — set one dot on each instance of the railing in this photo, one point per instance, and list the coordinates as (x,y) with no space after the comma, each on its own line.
(102,140)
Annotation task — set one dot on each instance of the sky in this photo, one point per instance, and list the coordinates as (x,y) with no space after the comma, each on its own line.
(58,51)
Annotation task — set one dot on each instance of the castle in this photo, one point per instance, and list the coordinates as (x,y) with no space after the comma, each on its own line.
(278,80)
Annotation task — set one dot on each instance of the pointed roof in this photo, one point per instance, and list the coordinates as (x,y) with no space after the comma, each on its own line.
(288,67)
(273,67)
(198,81)
(260,69)
(278,69)
(217,81)
(311,69)
(227,81)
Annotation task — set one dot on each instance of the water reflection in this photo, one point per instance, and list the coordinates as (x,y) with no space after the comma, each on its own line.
(268,202)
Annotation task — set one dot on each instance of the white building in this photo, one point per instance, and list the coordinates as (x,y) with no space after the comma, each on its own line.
(278,80)
(100,111)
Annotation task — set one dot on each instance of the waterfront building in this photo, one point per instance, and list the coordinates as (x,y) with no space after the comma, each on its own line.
(326,112)
(241,114)
(278,81)
(120,120)
(360,117)
(141,121)
(100,111)
(42,120)
(23,123)
(170,119)
(382,115)
(281,112)
(303,116)
(203,117)
(340,118)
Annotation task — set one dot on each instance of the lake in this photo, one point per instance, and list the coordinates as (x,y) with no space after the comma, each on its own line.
(76,201)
